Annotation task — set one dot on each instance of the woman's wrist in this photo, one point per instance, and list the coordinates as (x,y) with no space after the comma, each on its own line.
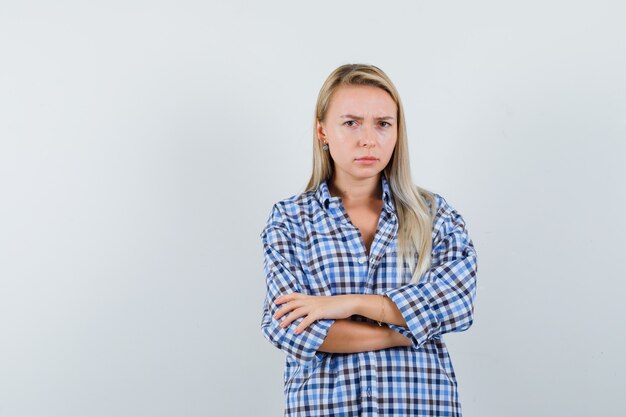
(366,304)
(369,305)
(377,307)
(357,304)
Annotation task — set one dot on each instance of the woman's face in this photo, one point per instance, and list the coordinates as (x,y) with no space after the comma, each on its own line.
(361,122)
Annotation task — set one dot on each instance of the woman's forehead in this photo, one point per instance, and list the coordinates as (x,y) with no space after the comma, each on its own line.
(362,100)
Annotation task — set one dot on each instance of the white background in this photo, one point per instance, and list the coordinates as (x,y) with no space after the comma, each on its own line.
(142,145)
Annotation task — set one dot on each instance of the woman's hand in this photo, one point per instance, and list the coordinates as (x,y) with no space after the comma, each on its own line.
(314,307)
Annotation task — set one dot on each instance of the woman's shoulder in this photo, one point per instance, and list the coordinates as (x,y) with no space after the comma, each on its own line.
(290,211)
(446,216)
(436,202)
(296,205)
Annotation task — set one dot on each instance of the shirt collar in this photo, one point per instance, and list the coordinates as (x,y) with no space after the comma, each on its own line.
(327,201)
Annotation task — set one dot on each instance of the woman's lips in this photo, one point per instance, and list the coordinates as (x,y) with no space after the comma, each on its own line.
(367,160)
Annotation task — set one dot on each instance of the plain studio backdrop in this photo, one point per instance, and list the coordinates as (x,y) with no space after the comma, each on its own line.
(143,145)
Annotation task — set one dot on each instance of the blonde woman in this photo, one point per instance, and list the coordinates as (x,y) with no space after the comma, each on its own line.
(365,271)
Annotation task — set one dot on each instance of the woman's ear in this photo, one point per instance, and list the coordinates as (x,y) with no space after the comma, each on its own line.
(320,130)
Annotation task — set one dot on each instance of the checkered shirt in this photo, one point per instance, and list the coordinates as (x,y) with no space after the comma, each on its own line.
(311,246)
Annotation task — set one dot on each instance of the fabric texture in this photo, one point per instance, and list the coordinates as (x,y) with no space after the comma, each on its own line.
(311,246)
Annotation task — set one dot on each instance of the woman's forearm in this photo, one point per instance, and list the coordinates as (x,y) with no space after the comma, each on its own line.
(348,336)
(371,306)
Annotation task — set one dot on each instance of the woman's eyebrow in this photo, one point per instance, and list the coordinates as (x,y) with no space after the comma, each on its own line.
(351,116)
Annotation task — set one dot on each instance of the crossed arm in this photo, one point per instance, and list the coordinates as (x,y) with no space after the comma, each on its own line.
(345,336)
(441,302)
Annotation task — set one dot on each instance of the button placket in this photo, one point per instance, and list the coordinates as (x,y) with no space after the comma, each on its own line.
(369,381)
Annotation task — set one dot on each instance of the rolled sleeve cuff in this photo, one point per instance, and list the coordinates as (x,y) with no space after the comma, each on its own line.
(303,347)
(415,309)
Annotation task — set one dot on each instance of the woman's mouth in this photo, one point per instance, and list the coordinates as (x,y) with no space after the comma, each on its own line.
(368,160)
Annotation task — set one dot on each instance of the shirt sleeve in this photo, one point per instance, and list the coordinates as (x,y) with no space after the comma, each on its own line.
(443,300)
(284,275)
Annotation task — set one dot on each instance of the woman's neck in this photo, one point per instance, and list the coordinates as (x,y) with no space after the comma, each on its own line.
(361,190)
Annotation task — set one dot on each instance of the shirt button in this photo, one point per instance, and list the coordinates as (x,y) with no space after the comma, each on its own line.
(362,259)
(369,392)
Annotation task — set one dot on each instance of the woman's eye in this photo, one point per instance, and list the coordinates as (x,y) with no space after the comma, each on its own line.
(350,123)
(385,124)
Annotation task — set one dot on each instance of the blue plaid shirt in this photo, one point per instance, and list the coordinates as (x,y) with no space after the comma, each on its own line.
(311,246)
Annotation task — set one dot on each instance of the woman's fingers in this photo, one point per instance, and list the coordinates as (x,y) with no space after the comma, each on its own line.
(305,323)
(286,308)
(296,305)
(281,311)
(289,301)
(295,314)
(287,297)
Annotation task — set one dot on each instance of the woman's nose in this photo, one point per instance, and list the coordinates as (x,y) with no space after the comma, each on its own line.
(367,137)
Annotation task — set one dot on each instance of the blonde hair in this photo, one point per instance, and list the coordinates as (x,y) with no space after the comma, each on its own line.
(415,206)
